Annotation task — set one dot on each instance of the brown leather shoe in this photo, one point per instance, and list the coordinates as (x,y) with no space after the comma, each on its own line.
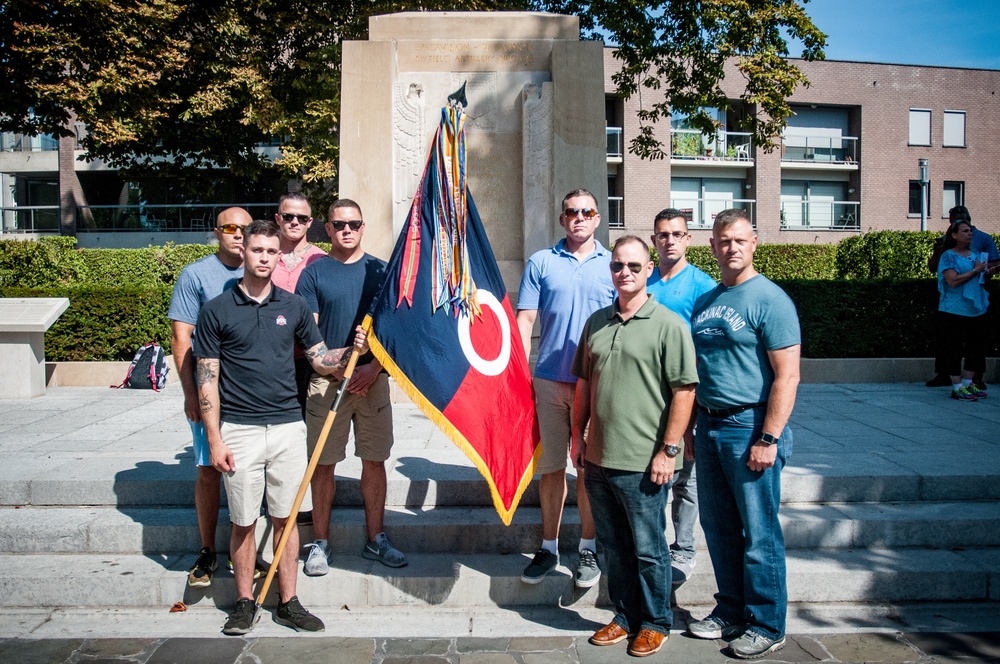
(609,635)
(647,643)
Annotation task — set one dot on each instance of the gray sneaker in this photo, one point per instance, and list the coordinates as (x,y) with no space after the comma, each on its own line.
(383,551)
(587,572)
(753,645)
(543,563)
(317,563)
(714,627)
(681,567)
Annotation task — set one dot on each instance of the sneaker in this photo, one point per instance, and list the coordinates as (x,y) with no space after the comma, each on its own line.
(714,627)
(383,551)
(543,563)
(291,614)
(203,570)
(753,645)
(963,394)
(978,390)
(680,567)
(259,568)
(587,572)
(241,619)
(317,564)
(939,380)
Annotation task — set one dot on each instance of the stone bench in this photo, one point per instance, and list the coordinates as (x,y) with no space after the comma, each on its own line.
(23,322)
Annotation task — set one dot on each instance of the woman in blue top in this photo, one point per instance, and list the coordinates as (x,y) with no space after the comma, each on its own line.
(962,311)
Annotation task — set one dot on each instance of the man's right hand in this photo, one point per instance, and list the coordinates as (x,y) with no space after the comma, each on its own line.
(222,458)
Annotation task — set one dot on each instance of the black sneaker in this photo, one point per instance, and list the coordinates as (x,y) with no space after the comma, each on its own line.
(260,568)
(543,563)
(939,380)
(203,570)
(241,619)
(291,614)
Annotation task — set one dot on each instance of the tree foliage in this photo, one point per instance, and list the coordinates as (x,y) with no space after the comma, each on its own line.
(678,51)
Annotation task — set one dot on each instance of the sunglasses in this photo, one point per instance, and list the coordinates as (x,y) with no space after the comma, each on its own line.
(355,224)
(231,229)
(301,218)
(677,235)
(588,213)
(618,266)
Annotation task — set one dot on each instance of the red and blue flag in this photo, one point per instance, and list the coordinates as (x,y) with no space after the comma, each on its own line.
(444,329)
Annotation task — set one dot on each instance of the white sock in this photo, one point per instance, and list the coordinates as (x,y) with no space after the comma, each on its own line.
(589,544)
(552,546)
(956,387)
(966,382)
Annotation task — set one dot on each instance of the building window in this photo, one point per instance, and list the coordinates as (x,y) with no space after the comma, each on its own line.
(817,204)
(954,194)
(702,198)
(954,129)
(915,198)
(920,126)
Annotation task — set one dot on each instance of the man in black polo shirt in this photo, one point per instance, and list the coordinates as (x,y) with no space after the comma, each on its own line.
(248,399)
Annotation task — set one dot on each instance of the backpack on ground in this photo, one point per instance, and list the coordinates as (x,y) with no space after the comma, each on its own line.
(148,370)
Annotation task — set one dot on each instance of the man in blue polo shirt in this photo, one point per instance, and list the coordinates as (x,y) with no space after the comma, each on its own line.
(249,404)
(676,284)
(562,287)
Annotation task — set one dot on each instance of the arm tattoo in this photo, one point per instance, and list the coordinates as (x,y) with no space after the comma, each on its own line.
(206,405)
(207,371)
(329,358)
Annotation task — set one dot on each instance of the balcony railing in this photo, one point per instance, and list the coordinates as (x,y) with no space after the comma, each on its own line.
(616,212)
(727,145)
(700,212)
(828,149)
(30,219)
(615,146)
(11,142)
(159,218)
(821,215)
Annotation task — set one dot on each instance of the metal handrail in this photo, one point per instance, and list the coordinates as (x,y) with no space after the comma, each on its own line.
(707,208)
(11,142)
(615,142)
(821,215)
(829,149)
(727,145)
(29,219)
(616,212)
(158,217)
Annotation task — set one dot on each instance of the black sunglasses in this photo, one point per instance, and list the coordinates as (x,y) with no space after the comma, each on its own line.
(355,224)
(301,218)
(618,266)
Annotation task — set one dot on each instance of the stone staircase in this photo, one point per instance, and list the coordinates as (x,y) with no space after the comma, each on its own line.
(100,514)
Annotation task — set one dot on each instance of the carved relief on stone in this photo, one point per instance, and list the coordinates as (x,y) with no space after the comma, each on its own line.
(408,140)
(481,91)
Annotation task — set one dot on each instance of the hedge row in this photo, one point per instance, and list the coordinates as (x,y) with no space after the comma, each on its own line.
(839,319)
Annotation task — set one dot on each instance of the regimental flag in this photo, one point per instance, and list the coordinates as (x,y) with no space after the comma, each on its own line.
(444,329)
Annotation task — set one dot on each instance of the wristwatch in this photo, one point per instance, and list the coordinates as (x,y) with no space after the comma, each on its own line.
(671,450)
(768,439)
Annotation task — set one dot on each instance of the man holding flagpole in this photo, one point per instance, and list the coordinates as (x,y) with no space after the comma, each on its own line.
(562,287)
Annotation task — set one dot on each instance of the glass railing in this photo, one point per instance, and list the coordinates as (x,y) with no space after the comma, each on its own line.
(700,212)
(822,215)
(828,149)
(11,142)
(616,212)
(160,218)
(727,145)
(30,219)
(615,145)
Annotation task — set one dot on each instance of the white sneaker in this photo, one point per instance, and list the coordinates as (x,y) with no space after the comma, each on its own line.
(317,564)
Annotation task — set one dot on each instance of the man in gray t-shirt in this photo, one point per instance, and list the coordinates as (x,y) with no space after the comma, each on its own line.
(198,283)
(747,340)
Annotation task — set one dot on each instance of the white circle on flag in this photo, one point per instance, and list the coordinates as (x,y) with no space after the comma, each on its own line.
(486,367)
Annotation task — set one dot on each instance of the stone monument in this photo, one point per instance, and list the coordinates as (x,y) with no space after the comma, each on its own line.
(536,126)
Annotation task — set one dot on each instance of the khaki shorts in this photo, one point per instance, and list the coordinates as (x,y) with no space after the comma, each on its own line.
(271,456)
(371,416)
(554,408)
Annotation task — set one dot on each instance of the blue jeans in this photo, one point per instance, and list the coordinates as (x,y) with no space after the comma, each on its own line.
(684,509)
(739,514)
(630,513)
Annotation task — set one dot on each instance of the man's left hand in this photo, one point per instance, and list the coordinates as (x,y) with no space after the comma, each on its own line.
(661,471)
(762,456)
(361,339)
(363,378)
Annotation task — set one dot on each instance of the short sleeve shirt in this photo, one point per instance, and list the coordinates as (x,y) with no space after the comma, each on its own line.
(632,366)
(253,343)
(198,283)
(733,329)
(565,291)
(287,279)
(680,293)
(968,299)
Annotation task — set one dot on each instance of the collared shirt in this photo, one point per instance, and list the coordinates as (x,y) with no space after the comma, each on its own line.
(632,366)
(253,343)
(565,291)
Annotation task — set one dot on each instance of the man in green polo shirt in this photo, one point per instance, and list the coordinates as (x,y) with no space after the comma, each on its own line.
(637,375)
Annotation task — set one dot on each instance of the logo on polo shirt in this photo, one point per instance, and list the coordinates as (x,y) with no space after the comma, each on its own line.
(281,320)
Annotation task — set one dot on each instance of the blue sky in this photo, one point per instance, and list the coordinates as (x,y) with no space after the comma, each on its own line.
(952,33)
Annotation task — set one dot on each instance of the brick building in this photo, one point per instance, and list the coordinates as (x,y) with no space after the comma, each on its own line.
(848,162)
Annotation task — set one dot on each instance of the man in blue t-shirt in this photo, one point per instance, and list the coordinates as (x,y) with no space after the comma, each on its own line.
(676,284)
(747,339)
(198,283)
(562,287)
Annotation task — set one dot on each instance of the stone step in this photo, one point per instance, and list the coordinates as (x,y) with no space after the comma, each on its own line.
(478,529)
(466,580)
